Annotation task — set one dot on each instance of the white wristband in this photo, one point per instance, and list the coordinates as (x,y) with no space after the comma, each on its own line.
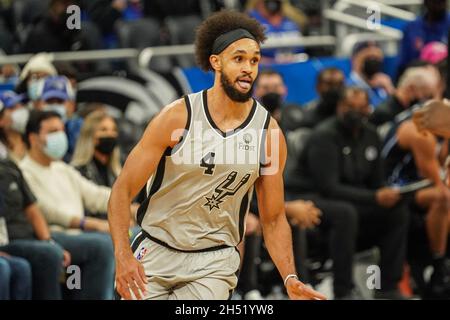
(289,276)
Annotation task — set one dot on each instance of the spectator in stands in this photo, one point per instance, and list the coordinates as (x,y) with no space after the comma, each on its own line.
(29,236)
(271,91)
(161,9)
(58,95)
(63,195)
(31,78)
(106,15)
(271,14)
(367,72)
(411,157)
(13,120)
(341,163)
(330,83)
(50,33)
(432,26)
(15,278)
(416,85)
(97,154)
(9,75)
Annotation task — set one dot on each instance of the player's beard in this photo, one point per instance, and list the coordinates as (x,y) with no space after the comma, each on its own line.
(232,92)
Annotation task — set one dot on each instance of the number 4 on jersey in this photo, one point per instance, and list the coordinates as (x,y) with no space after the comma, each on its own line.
(208,163)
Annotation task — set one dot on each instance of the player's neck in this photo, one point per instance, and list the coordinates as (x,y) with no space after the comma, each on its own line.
(220,104)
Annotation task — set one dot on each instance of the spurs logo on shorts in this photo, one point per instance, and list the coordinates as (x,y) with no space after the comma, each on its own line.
(224,190)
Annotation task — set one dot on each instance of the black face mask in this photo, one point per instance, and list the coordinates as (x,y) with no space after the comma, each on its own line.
(353,120)
(106,145)
(272,101)
(273,6)
(371,67)
(328,101)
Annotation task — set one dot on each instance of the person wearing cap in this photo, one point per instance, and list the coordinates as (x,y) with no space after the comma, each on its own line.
(57,95)
(13,120)
(431,26)
(196,208)
(367,72)
(31,78)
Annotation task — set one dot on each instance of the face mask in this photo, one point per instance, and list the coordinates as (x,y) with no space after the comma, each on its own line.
(371,67)
(33,89)
(59,109)
(271,101)
(19,120)
(273,6)
(352,120)
(57,145)
(106,145)
(329,101)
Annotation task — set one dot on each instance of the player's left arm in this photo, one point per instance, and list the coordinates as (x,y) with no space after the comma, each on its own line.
(276,230)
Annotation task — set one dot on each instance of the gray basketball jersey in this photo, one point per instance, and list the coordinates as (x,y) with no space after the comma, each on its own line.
(200,193)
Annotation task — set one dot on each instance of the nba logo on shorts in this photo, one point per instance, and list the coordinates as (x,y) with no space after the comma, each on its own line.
(142,254)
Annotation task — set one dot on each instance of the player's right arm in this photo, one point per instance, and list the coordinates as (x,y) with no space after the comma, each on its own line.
(163,131)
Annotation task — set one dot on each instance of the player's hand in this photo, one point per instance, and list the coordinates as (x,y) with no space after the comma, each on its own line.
(388,197)
(382,80)
(303,213)
(297,290)
(130,276)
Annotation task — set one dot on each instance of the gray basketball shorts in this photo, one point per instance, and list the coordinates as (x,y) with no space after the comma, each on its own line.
(176,275)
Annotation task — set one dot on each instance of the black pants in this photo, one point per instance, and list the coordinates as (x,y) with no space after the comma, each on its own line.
(248,278)
(352,227)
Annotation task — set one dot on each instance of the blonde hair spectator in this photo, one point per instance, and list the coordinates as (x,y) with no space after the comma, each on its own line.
(90,132)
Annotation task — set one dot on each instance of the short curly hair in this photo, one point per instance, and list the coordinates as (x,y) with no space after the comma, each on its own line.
(218,24)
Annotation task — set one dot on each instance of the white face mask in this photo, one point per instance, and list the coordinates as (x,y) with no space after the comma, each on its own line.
(19,120)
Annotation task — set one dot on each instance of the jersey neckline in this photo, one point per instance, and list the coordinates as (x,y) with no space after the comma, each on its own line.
(214,125)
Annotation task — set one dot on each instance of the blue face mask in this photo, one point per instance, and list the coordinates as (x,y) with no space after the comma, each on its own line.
(57,145)
(58,108)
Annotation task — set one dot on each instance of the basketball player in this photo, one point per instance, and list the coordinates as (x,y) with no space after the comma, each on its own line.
(193,217)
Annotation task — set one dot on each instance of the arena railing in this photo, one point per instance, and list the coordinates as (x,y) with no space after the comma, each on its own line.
(144,56)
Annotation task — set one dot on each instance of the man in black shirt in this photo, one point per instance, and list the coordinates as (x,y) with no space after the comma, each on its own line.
(29,235)
(341,162)
(330,82)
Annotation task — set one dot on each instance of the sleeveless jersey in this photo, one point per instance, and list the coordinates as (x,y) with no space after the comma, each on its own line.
(199,195)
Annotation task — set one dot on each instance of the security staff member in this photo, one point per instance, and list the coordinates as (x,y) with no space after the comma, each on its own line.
(341,161)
